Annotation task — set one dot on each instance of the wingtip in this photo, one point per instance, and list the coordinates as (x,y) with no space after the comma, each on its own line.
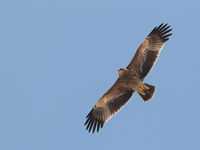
(92,124)
(163,31)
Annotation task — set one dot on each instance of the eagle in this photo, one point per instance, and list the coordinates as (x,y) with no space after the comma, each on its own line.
(130,79)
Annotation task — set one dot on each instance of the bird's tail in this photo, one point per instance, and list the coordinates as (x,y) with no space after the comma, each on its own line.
(147,91)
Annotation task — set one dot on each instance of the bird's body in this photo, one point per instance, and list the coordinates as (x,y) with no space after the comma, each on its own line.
(130,79)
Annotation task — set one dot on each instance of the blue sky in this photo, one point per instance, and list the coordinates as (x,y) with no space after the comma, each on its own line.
(58,57)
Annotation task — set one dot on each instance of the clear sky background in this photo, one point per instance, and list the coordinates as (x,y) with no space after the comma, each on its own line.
(58,57)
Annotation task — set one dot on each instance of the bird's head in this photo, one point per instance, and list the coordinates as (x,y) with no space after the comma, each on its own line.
(122,72)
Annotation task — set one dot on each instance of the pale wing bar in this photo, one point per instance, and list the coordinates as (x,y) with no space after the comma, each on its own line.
(148,52)
(158,36)
(99,115)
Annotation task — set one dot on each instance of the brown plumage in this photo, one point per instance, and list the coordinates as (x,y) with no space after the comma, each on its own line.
(130,80)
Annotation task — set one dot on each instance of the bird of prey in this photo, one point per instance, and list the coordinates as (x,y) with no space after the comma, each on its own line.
(130,79)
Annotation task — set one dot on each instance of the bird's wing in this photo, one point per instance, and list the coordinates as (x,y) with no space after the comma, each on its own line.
(110,103)
(148,52)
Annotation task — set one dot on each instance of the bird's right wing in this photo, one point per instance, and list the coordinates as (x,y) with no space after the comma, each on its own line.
(110,103)
(148,52)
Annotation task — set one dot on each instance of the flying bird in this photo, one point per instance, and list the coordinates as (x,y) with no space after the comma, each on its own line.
(130,79)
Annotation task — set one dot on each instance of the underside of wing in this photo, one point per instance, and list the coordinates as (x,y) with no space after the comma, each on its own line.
(110,103)
(148,52)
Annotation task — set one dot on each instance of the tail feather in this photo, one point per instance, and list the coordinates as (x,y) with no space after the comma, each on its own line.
(148,92)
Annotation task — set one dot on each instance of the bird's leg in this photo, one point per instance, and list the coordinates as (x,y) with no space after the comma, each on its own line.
(141,88)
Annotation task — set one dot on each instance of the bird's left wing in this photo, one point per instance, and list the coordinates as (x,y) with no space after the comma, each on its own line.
(110,103)
(148,52)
